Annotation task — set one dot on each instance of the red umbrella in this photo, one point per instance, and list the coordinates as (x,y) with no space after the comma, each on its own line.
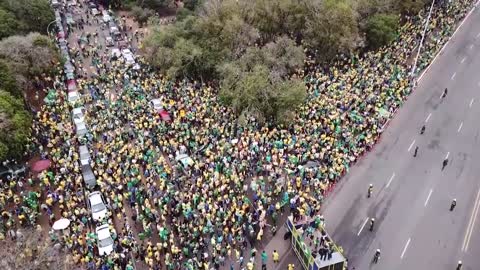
(41,165)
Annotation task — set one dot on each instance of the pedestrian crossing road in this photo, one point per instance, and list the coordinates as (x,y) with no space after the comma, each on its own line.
(414,227)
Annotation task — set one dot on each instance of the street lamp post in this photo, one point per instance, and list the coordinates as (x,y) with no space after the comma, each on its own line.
(48,26)
(421,42)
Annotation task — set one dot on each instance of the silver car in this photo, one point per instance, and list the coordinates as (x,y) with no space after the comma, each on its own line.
(88,177)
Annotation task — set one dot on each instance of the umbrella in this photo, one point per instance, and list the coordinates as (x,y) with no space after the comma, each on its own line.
(41,165)
(61,224)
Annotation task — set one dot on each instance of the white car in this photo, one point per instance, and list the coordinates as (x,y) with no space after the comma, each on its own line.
(126,52)
(84,155)
(95,12)
(81,129)
(73,97)
(78,115)
(104,240)
(106,18)
(157,104)
(109,41)
(129,60)
(97,205)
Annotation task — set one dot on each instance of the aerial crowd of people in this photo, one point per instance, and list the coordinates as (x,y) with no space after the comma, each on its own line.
(240,178)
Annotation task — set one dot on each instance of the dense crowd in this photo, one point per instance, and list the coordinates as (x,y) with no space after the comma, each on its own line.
(244,174)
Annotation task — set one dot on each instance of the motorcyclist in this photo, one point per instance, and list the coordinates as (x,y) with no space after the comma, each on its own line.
(372,223)
(376,256)
(454,203)
(422,130)
(445,93)
(370,190)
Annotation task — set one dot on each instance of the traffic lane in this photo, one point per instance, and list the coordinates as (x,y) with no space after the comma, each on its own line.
(417,111)
(394,170)
(459,46)
(396,214)
(470,256)
(440,231)
(446,120)
(442,137)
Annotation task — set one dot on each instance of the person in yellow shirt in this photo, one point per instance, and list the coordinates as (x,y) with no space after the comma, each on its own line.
(275,256)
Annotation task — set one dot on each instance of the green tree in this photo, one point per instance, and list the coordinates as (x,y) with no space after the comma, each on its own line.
(142,14)
(32,15)
(28,56)
(381,29)
(8,23)
(7,80)
(410,6)
(259,82)
(191,4)
(331,28)
(15,126)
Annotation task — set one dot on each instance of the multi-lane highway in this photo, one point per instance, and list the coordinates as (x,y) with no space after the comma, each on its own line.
(414,227)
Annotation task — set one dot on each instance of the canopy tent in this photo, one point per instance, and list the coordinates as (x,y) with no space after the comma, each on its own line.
(61,224)
(41,165)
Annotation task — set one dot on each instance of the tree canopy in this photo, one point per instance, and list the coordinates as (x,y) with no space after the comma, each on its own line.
(15,124)
(28,15)
(236,42)
(381,29)
(26,57)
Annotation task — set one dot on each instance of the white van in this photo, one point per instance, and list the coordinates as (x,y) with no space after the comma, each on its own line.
(84,155)
(106,18)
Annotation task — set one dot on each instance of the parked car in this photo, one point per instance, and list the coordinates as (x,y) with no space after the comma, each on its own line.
(81,129)
(95,11)
(104,240)
(109,41)
(78,115)
(71,3)
(157,104)
(106,18)
(97,205)
(88,177)
(128,56)
(55,3)
(73,97)
(84,155)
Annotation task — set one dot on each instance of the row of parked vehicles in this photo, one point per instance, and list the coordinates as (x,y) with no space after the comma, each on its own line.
(96,203)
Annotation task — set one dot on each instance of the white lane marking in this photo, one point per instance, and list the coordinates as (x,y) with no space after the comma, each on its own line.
(363,226)
(428,197)
(405,248)
(448,154)
(391,179)
(411,145)
(428,117)
(471,223)
(471,102)
(453,76)
(446,43)
(463,60)
(460,127)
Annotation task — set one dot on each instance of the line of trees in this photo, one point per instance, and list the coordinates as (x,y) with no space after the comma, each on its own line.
(253,47)
(24,55)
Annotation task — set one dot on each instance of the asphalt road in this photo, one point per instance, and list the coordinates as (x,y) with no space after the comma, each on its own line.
(414,228)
